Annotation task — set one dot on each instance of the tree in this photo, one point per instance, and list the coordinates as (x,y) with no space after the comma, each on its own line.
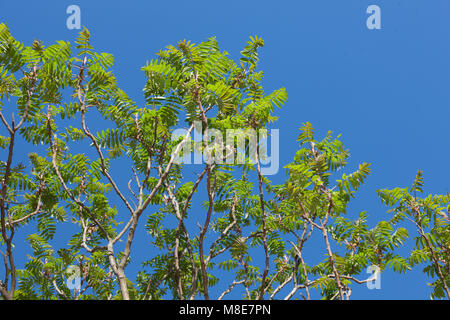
(76,174)
(432,243)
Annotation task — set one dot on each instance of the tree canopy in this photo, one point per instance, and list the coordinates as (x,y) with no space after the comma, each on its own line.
(97,161)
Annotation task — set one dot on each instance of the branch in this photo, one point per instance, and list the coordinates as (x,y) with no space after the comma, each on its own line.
(333,266)
(32,79)
(264,229)
(84,240)
(231,287)
(3,214)
(224,234)
(177,241)
(305,273)
(36,211)
(211,195)
(5,294)
(66,189)
(165,173)
(433,255)
(61,293)
(194,188)
(99,151)
(281,286)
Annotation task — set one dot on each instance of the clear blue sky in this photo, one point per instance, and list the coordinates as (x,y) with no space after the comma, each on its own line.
(386,91)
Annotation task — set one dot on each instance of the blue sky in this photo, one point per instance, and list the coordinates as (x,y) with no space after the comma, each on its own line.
(386,91)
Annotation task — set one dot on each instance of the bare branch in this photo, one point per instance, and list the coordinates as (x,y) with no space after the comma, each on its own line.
(59,291)
(281,286)
(230,288)
(264,228)
(102,158)
(203,265)
(430,247)
(66,189)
